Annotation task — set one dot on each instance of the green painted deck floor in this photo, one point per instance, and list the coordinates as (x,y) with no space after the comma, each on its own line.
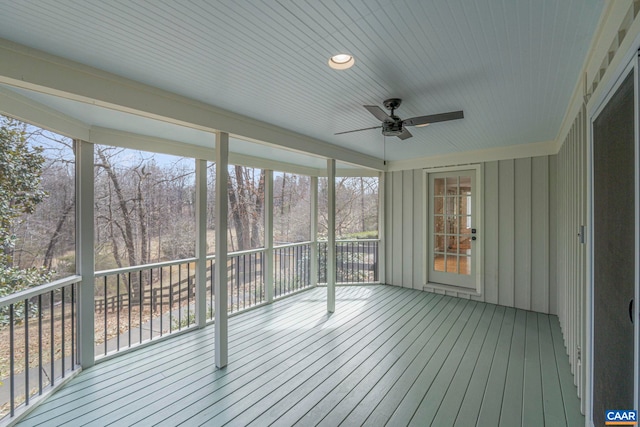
(386,356)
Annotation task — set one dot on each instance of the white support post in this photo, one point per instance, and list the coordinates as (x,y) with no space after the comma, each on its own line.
(268,234)
(381,229)
(201,243)
(331,238)
(221,297)
(314,231)
(85,251)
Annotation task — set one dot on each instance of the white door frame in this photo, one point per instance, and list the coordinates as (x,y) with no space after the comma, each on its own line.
(479,224)
(594,108)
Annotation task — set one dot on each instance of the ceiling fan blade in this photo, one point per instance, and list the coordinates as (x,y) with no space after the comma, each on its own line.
(405,134)
(434,118)
(377,112)
(357,130)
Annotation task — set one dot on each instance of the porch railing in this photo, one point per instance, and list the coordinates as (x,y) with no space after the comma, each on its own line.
(38,341)
(356,261)
(39,326)
(245,284)
(292,268)
(140,303)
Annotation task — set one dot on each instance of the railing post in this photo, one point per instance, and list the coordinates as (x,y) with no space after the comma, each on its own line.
(85,251)
(381,229)
(331,235)
(201,243)
(221,292)
(313,263)
(268,235)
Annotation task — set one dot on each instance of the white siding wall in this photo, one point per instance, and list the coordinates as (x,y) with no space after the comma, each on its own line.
(571,199)
(518,216)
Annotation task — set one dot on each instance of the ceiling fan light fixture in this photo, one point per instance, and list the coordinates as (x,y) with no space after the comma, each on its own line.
(341,61)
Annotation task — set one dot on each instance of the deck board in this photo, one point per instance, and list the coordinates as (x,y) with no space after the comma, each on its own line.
(387,355)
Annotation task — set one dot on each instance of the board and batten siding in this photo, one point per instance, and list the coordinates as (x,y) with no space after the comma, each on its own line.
(519,215)
(571,267)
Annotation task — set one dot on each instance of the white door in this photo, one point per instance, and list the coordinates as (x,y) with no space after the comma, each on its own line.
(452,229)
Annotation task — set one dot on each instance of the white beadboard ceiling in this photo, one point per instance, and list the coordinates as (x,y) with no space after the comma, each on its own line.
(511,65)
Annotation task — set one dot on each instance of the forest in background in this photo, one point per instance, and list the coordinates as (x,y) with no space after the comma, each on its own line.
(145,206)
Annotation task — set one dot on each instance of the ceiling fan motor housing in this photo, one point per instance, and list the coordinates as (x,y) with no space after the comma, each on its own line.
(392,128)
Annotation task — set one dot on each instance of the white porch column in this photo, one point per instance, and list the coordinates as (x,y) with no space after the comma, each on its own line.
(331,235)
(201,242)
(85,251)
(314,232)
(268,234)
(381,229)
(220,287)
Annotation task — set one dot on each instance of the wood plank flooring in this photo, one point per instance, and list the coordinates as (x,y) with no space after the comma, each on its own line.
(387,356)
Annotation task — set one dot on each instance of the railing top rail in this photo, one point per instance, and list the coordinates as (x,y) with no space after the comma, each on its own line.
(351,240)
(143,267)
(247,252)
(289,245)
(32,292)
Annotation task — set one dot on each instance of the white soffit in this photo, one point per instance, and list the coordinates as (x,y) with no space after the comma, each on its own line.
(103,119)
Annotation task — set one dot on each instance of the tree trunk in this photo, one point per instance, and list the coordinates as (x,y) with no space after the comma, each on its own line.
(128,228)
(48,255)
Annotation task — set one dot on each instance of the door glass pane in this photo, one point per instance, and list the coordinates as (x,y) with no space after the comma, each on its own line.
(464,222)
(465,185)
(439,243)
(439,224)
(452,264)
(438,208)
(452,244)
(451,205)
(452,225)
(438,262)
(452,186)
(465,265)
(438,187)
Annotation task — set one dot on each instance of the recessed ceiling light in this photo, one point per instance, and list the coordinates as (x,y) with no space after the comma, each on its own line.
(341,61)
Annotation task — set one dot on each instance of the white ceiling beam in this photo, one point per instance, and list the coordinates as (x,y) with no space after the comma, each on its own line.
(545,148)
(32,69)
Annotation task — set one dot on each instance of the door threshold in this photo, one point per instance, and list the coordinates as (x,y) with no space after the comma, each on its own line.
(450,288)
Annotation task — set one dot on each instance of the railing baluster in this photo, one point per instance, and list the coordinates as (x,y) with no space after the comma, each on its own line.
(238,283)
(73,324)
(179,297)
(63,325)
(252,282)
(11,362)
(26,351)
(117,312)
(51,309)
(105,315)
(170,298)
(188,295)
(40,314)
(211,275)
(129,301)
(140,298)
(161,300)
(151,305)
